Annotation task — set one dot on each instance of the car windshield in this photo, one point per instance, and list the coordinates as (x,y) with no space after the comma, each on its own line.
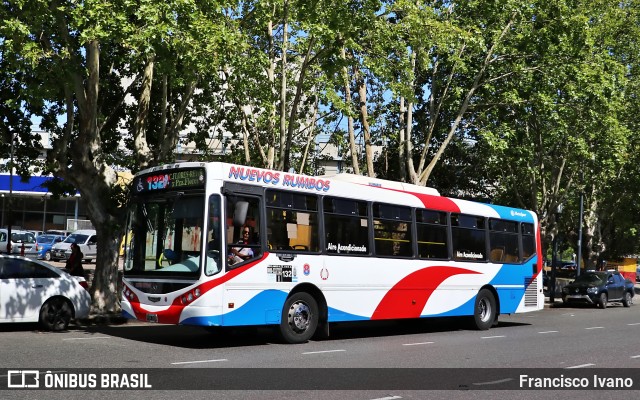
(23,238)
(166,236)
(76,238)
(591,278)
(45,239)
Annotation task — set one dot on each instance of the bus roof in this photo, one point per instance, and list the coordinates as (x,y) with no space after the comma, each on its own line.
(383,183)
(344,185)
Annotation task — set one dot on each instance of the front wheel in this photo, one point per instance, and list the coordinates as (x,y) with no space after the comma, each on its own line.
(55,314)
(485,310)
(602,300)
(627,300)
(299,318)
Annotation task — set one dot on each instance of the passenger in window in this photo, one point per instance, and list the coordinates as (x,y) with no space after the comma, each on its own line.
(239,254)
(396,248)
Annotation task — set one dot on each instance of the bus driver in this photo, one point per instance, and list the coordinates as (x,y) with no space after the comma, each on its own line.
(239,254)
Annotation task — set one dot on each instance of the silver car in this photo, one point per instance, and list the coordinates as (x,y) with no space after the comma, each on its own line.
(22,242)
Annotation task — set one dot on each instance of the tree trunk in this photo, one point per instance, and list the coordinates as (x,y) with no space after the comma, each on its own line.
(347,98)
(364,119)
(283,87)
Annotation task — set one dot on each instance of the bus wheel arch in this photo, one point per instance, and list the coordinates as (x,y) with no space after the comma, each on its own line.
(486,309)
(304,311)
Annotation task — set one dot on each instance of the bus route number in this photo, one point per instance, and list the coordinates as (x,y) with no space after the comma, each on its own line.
(282,273)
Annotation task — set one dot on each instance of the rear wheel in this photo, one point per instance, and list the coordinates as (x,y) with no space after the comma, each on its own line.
(47,256)
(55,314)
(485,310)
(627,300)
(299,318)
(602,300)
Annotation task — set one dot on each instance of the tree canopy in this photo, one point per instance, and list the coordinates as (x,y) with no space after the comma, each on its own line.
(524,103)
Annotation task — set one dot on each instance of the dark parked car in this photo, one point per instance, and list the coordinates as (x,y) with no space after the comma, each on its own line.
(595,287)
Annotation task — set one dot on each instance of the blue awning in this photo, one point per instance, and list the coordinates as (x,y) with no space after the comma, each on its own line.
(34,185)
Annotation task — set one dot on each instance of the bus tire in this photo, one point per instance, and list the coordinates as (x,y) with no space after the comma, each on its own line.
(299,318)
(484,311)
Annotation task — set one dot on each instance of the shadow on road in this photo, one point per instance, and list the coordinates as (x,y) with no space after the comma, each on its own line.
(192,337)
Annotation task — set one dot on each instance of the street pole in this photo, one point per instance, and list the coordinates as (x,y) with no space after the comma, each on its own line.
(10,213)
(552,280)
(554,261)
(579,257)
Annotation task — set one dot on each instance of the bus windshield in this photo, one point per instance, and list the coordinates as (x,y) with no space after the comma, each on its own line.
(167,236)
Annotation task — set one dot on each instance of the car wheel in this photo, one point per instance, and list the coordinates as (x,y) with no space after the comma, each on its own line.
(55,314)
(47,256)
(602,300)
(627,300)
(299,318)
(485,310)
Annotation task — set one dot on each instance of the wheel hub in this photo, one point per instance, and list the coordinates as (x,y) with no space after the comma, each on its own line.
(299,317)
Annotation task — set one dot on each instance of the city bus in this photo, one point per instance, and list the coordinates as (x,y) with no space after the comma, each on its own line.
(317,250)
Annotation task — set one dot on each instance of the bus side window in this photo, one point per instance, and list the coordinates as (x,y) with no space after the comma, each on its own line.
(249,246)
(292,221)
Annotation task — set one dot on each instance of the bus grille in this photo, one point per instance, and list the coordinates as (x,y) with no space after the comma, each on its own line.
(530,293)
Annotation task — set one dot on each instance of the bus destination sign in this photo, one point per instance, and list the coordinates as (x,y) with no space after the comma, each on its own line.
(169,180)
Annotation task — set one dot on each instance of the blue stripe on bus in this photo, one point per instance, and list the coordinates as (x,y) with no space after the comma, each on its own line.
(510,274)
(514,214)
(336,315)
(263,308)
(465,309)
(509,301)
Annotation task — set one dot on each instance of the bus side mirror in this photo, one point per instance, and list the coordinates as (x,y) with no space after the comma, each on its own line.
(240,213)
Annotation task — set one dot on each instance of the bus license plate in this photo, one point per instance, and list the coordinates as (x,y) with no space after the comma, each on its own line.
(152,317)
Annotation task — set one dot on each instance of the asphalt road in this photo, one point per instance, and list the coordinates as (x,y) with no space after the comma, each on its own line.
(562,338)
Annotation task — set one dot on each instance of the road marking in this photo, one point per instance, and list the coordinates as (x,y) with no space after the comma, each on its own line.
(634,324)
(320,352)
(89,338)
(549,332)
(493,382)
(388,398)
(580,366)
(595,327)
(491,337)
(635,356)
(198,362)
(416,344)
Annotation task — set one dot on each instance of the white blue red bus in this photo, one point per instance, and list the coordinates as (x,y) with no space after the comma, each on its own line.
(217,244)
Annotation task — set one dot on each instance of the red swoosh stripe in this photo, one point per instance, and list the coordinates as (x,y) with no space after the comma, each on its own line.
(172,314)
(409,296)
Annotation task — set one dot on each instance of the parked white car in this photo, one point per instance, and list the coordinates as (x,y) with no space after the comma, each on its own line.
(34,291)
(85,238)
(18,240)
